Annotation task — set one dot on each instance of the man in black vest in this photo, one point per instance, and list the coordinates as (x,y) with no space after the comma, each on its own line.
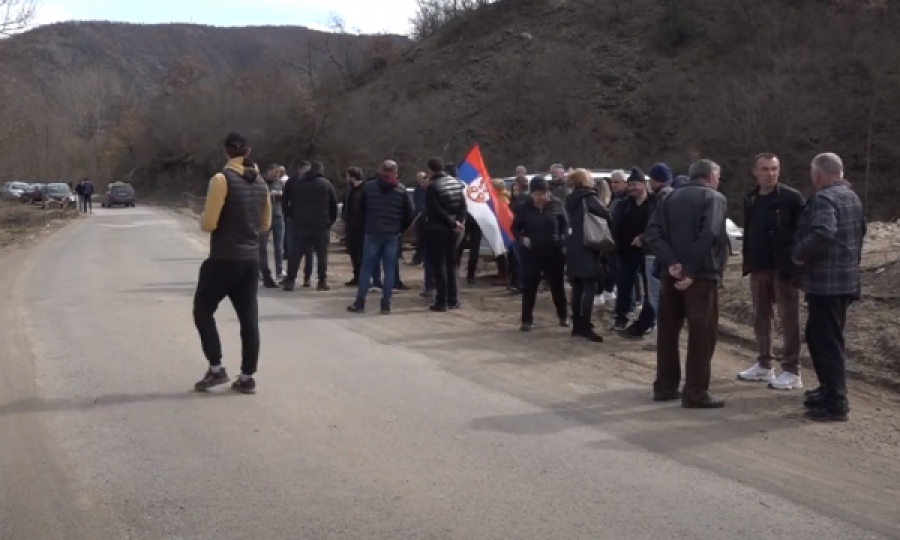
(312,205)
(237,209)
(445,215)
(387,212)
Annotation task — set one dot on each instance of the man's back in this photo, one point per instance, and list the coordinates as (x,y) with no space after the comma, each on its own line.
(387,207)
(445,203)
(834,222)
(689,227)
(313,203)
(236,234)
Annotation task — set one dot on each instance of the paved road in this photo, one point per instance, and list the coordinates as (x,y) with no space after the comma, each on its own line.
(356,433)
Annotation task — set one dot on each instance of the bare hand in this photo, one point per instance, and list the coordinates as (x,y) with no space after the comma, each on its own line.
(636,242)
(526,242)
(460,227)
(684,283)
(798,263)
(675,270)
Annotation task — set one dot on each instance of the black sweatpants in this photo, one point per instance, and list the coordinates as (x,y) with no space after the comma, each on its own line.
(442,252)
(825,341)
(238,281)
(302,245)
(550,264)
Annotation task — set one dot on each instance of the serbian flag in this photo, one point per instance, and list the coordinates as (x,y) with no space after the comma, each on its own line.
(492,214)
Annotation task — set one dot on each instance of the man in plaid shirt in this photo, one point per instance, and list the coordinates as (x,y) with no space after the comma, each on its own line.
(828,252)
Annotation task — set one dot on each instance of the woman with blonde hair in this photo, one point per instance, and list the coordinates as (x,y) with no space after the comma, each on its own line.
(584,266)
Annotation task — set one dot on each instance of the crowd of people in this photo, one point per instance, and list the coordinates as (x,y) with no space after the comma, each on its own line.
(662,264)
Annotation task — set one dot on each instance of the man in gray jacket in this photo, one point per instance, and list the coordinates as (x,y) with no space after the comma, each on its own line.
(687,235)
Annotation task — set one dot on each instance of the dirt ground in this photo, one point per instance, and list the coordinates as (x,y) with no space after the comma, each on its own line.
(21,224)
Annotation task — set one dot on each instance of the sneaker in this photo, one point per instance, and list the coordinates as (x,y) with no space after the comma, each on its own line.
(526,327)
(786,381)
(619,326)
(270,283)
(454,305)
(352,283)
(385,310)
(244,386)
(282,274)
(322,286)
(757,373)
(287,286)
(609,297)
(211,380)
(599,300)
(356,307)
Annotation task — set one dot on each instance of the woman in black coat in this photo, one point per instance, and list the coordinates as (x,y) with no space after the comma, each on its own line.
(584,266)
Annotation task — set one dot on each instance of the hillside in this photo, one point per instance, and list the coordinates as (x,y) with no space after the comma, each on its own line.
(103,99)
(608,83)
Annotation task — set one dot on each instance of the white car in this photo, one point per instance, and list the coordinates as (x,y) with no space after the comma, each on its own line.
(735,237)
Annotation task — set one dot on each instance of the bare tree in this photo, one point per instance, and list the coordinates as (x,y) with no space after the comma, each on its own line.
(16,15)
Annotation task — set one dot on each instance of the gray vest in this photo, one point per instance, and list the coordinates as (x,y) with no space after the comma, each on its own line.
(236,237)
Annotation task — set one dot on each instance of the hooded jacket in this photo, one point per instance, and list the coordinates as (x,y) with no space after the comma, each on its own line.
(237,210)
(311,203)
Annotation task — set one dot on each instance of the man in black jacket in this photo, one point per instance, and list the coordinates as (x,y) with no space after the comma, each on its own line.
(387,212)
(354,227)
(630,218)
(771,214)
(300,167)
(445,215)
(311,204)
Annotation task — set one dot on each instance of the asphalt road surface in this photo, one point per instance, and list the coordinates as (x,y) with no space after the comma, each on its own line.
(364,428)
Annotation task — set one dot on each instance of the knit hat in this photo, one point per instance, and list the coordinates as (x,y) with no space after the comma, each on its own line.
(679,181)
(636,175)
(661,173)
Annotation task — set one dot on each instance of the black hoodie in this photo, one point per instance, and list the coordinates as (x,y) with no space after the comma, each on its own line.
(311,203)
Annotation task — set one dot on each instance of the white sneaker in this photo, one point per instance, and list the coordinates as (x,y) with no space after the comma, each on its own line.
(609,296)
(757,373)
(599,300)
(786,381)
(283,273)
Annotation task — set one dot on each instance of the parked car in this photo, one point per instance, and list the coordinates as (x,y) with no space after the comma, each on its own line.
(32,194)
(119,193)
(735,237)
(57,192)
(12,191)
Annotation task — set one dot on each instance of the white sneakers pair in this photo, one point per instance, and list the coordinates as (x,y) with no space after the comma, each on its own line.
(785,381)
(604,298)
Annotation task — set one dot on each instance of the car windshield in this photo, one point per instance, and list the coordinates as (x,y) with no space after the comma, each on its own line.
(58,188)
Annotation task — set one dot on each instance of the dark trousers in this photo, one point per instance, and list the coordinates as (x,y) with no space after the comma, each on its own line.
(442,252)
(86,203)
(583,293)
(305,244)
(825,341)
(631,267)
(355,242)
(419,253)
(551,264)
(238,281)
(472,242)
(699,306)
(612,271)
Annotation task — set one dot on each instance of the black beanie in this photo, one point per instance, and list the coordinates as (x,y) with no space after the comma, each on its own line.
(636,175)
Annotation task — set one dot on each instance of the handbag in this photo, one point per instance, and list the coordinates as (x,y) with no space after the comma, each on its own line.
(597,236)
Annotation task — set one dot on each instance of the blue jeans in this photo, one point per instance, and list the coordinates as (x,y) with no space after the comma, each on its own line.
(652,291)
(376,275)
(378,250)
